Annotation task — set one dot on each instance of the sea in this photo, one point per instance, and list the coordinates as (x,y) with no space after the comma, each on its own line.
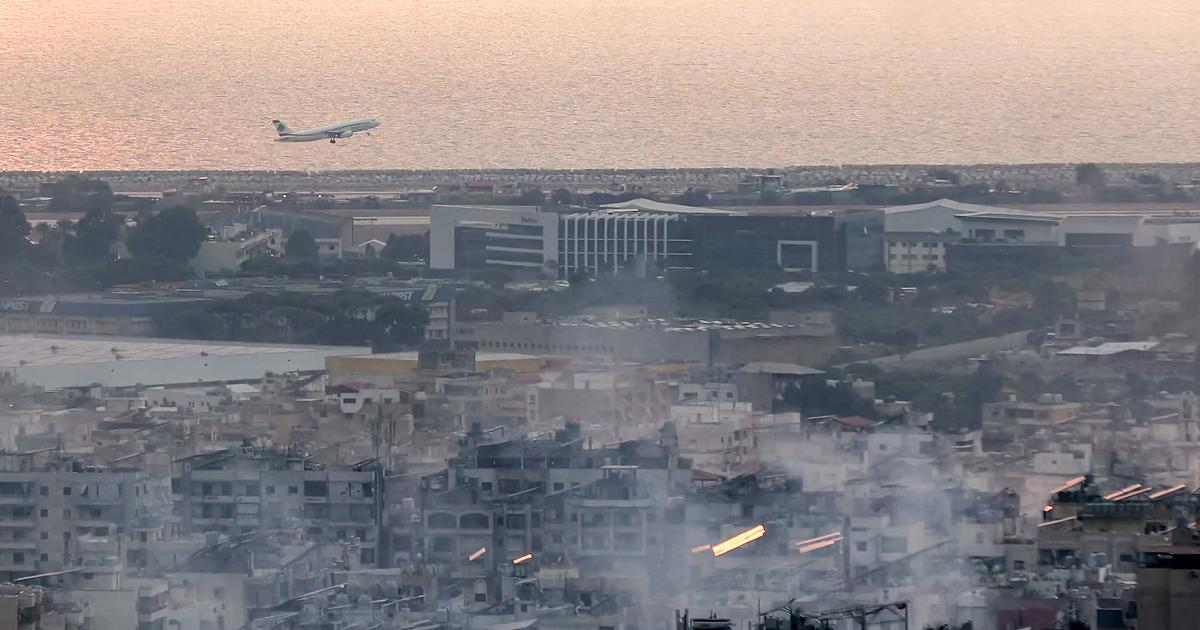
(623,84)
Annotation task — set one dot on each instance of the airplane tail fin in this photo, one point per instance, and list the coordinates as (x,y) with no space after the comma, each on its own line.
(281,127)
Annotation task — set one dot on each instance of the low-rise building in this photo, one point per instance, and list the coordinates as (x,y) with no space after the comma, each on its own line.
(706,342)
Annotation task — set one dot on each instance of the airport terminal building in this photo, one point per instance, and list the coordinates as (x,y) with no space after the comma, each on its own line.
(643,236)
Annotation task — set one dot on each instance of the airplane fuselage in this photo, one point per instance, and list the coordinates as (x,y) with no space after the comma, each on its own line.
(329,132)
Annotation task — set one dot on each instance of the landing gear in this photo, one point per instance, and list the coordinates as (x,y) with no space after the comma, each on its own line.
(333,141)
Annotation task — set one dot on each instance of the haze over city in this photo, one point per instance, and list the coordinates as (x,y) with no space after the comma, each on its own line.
(599,315)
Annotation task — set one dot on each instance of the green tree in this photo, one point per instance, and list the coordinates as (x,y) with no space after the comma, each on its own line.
(1091,176)
(406,247)
(399,325)
(14,230)
(562,197)
(94,237)
(531,197)
(693,197)
(174,233)
(301,244)
(905,339)
(86,195)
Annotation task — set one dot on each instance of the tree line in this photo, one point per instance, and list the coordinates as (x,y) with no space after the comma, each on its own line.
(101,249)
(349,317)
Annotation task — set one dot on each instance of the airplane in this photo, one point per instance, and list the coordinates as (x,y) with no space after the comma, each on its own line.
(328,132)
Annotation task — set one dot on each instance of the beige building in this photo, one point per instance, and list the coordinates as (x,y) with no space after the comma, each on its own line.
(917,252)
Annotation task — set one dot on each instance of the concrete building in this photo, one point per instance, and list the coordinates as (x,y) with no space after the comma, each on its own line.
(393,369)
(656,340)
(64,362)
(52,504)
(643,236)
(1009,227)
(237,244)
(917,252)
(616,398)
(260,489)
(597,510)
(1168,591)
(476,237)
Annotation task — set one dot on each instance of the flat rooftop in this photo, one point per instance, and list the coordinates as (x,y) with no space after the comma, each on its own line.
(46,350)
(675,325)
(59,361)
(480,357)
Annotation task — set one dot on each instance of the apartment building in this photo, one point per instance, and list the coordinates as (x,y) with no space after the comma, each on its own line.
(49,503)
(270,489)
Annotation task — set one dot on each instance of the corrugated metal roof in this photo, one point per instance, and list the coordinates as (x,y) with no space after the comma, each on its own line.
(1110,348)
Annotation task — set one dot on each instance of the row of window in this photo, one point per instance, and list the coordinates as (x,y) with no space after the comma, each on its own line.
(480,521)
(532,345)
(226,488)
(913,257)
(928,244)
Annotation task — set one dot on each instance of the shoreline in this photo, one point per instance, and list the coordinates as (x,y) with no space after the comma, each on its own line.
(1049,174)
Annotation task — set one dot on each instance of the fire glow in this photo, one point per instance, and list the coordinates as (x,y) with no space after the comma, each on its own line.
(1113,496)
(820,542)
(525,558)
(1068,485)
(805,543)
(748,536)
(477,555)
(820,545)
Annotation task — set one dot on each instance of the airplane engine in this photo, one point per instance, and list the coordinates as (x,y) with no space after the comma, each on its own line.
(345,134)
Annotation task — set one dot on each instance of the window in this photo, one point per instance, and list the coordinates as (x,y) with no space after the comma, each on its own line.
(443,544)
(44,513)
(473,520)
(860,546)
(1014,235)
(442,520)
(66,491)
(44,491)
(45,535)
(270,489)
(293,490)
(18,558)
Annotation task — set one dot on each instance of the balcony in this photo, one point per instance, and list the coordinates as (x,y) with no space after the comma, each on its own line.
(98,501)
(17,499)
